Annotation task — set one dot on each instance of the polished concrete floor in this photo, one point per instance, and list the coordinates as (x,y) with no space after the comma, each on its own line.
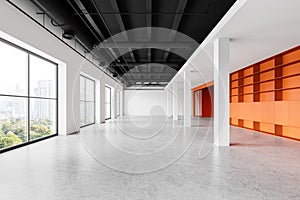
(152,158)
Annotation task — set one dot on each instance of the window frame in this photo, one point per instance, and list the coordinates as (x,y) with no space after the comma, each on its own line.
(85,101)
(110,104)
(28,97)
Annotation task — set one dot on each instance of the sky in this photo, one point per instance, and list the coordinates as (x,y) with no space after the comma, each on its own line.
(14,70)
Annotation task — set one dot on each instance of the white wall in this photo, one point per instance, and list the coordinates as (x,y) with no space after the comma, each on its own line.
(24,29)
(145,102)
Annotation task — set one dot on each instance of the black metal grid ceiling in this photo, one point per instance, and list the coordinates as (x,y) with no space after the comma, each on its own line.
(94,21)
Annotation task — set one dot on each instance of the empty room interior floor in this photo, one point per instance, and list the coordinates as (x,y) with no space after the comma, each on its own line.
(152,158)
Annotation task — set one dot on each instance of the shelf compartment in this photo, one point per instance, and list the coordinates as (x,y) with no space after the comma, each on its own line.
(248,71)
(291,69)
(266,65)
(266,96)
(291,82)
(267,76)
(234,84)
(267,86)
(291,94)
(291,56)
(234,76)
(248,98)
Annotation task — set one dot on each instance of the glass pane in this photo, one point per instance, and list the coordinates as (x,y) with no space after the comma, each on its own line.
(82,113)
(82,88)
(42,78)
(90,113)
(13,121)
(42,118)
(107,95)
(90,87)
(107,111)
(13,71)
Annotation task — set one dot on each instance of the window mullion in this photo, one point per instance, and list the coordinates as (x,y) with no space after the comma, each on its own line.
(28,98)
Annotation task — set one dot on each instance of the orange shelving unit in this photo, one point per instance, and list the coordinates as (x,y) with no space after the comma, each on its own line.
(266,96)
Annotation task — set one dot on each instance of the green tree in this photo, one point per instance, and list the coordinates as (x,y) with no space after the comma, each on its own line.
(9,139)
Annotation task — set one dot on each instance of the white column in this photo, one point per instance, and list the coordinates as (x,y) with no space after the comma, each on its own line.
(221,92)
(175,101)
(114,102)
(122,103)
(187,99)
(169,102)
(102,102)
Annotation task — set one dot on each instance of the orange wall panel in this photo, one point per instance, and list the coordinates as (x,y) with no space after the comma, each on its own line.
(291,132)
(234,121)
(256,111)
(234,110)
(294,117)
(269,128)
(248,124)
(281,112)
(268,112)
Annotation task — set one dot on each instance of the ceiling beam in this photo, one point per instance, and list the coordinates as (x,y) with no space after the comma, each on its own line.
(150,80)
(92,23)
(150,73)
(177,19)
(149,25)
(145,45)
(108,29)
(121,24)
(133,64)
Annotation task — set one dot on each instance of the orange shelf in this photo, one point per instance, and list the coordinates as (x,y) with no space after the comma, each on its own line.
(262,92)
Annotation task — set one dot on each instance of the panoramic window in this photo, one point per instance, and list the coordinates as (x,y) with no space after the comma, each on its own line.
(118,103)
(107,102)
(28,97)
(87,101)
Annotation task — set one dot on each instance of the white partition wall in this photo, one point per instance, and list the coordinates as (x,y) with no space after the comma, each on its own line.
(145,102)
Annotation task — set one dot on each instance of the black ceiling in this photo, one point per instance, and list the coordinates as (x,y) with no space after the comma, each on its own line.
(93,21)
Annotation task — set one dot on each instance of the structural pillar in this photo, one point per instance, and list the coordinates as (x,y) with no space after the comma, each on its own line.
(114,103)
(169,102)
(175,101)
(221,92)
(187,99)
